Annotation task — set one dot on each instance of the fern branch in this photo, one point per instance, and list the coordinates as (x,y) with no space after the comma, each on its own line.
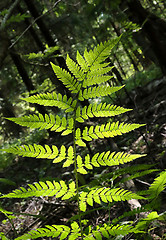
(106,195)
(65,77)
(99,110)
(47,152)
(45,122)
(75,69)
(61,231)
(158,185)
(96,80)
(110,230)
(99,53)
(100,91)
(105,130)
(53,99)
(137,175)
(105,159)
(130,169)
(58,189)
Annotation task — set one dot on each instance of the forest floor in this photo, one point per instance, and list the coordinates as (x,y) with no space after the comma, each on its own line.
(149,104)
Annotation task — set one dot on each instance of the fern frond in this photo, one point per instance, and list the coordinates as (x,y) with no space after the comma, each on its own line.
(99,110)
(45,122)
(3,237)
(105,159)
(65,77)
(99,53)
(47,152)
(158,185)
(81,61)
(53,99)
(75,231)
(107,231)
(2,210)
(105,194)
(143,223)
(60,231)
(130,169)
(96,80)
(75,69)
(99,91)
(105,130)
(99,71)
(138,175)
(131,213)
(58,189)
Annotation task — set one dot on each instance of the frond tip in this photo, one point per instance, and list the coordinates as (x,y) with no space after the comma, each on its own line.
(158,185)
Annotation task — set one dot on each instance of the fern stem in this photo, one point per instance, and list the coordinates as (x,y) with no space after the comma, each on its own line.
(76,174)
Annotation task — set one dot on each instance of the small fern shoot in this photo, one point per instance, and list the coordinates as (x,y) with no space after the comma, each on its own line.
(87,78)
(158,185)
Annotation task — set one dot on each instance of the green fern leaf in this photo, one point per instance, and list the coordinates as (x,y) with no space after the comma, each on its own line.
(53,99)
(106,195)
(100,91)
(81,61)
(66,78)
(53,231)
(99,110)
(99,53)
(105,159)
(131,213)
(99,71)
(70,157)
(58,189)
(75,231)
(158,185)
(3,237)
(110,230)
(2,210)
(75,69)
(45,122)
(47,152)
(61,156)
(105,130)
(96,80)
(137,175)
(130,169)
(36,151)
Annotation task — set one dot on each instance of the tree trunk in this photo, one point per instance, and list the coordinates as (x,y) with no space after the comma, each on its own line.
(32,31)
(9,128)
(23,73)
